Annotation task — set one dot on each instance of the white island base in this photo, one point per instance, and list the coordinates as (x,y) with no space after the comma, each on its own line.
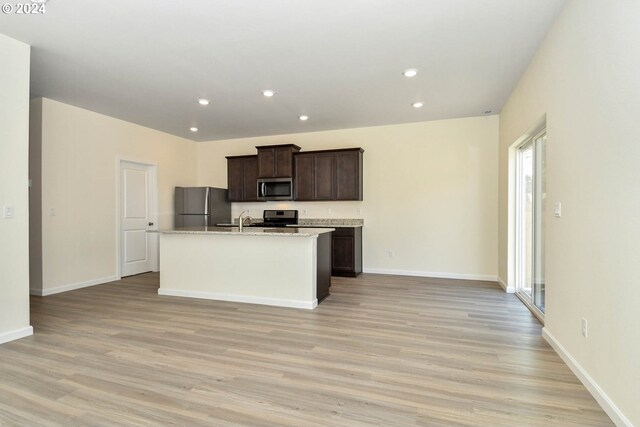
(288,268)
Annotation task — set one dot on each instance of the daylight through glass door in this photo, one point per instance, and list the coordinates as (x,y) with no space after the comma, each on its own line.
(530,208)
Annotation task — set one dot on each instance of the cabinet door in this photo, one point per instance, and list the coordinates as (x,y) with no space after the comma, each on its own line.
(348,175)
(250,183)
(303,183)
(266,163)
(323,166)
(283,162)
(342,254)
(235,179)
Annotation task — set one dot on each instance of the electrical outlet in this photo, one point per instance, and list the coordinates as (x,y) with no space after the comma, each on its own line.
(391,253)
(52,212)
(8,211)
(585,328)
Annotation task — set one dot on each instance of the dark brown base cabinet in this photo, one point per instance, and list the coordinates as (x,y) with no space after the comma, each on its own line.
(323,265)
(346,251)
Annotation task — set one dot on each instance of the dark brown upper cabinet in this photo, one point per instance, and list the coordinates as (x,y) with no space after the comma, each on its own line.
(242,176)
(276,161)
(324,176)
(328,175)
(348,174)
(304,179)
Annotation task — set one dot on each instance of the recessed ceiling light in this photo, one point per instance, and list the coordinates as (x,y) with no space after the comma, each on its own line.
(304,118)
(193,129)
(268,93)
(417,105)
(203,101)
(411,72)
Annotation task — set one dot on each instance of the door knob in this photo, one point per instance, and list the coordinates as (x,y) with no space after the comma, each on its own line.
(150,224)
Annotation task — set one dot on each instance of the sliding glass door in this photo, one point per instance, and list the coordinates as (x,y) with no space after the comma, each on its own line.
(530,208)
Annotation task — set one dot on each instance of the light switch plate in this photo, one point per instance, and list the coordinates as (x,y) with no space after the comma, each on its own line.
(558,210)
(8,211)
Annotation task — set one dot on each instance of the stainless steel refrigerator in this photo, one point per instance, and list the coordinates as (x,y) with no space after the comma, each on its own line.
(200,206)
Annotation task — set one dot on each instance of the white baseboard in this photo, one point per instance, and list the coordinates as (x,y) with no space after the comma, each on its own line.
(507,289)
(72,286)
(16,335)
(309,305)
(438,275)
(601,397)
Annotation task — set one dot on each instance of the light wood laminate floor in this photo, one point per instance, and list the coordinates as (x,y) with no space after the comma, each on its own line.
(380,351)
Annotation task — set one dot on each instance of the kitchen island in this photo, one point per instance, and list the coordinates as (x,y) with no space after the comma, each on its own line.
(287,267)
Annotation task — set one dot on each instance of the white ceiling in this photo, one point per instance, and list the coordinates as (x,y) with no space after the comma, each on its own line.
(339,61)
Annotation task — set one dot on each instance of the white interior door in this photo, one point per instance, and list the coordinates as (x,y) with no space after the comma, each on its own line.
(137,217)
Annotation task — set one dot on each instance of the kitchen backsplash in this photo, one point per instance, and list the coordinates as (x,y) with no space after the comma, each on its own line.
(305,209)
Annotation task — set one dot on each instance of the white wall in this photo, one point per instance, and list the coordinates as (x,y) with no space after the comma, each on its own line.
(14,152)
(430,192)
(586,79)
(80,152)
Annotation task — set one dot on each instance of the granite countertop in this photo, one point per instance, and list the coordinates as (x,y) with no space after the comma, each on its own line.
(315,222)
(330,222)
(251,231)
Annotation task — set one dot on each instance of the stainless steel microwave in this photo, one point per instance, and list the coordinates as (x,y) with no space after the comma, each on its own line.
(275,189)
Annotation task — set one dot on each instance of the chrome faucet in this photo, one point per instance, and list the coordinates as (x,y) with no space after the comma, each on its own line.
(241,221)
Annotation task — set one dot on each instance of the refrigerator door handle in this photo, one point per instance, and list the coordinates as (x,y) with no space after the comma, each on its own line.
(197,206)
(207,198)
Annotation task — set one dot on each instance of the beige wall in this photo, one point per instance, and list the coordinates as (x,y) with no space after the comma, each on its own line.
(430,192)
(14,150)
(80,152)
(585,78)
(35,194)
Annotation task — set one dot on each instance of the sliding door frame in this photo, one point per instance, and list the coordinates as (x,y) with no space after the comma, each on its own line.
(536,142)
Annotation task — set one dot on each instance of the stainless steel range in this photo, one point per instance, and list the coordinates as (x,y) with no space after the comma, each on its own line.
(277,218)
